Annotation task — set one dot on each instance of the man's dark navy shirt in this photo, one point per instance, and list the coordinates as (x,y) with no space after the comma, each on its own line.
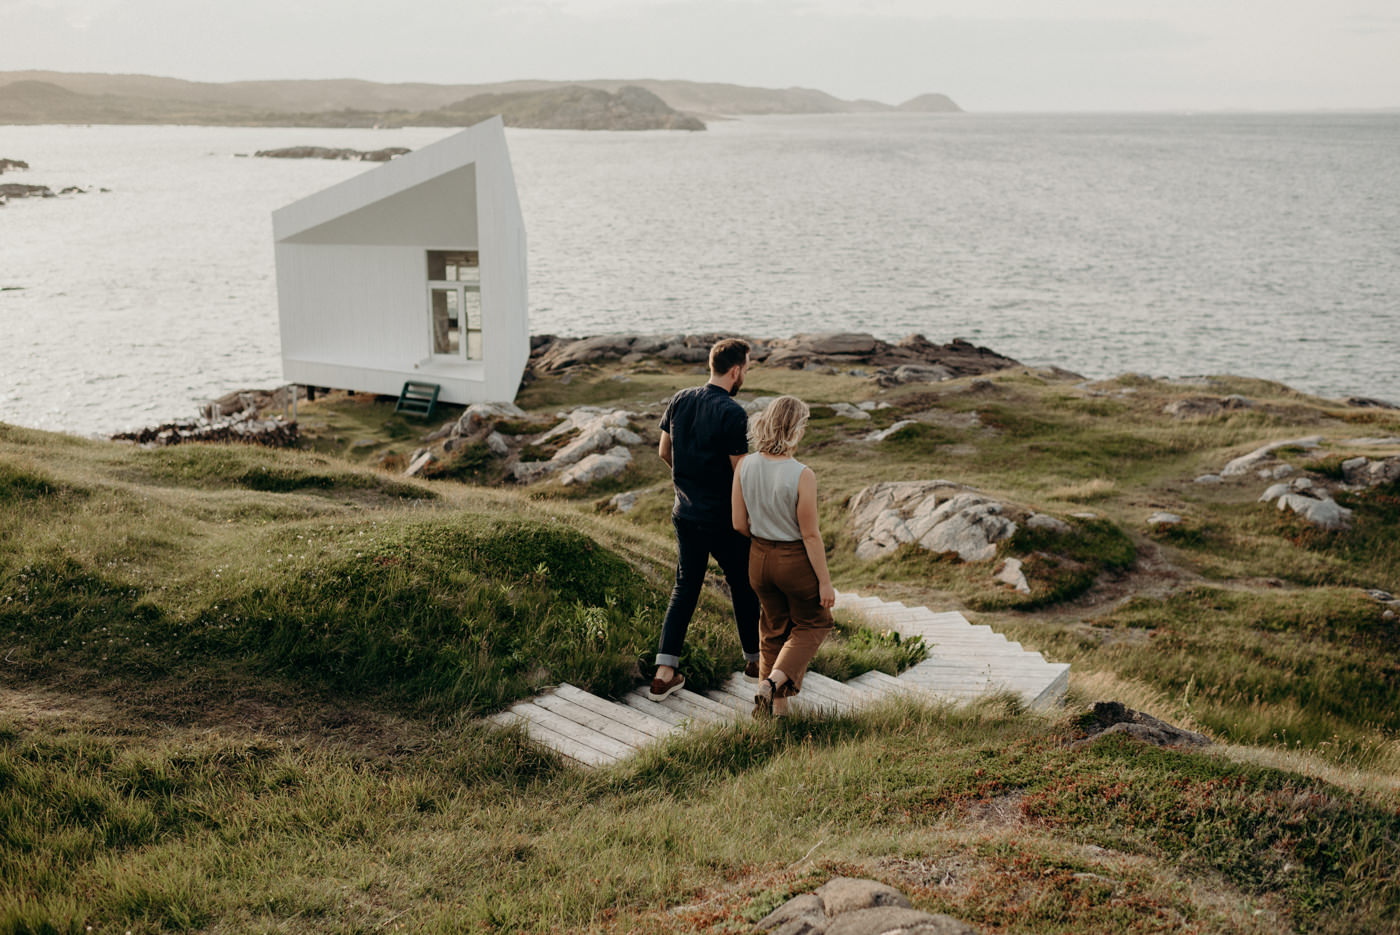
(706,426)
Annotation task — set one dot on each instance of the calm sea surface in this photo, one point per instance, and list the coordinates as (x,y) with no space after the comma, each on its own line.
(1264,245)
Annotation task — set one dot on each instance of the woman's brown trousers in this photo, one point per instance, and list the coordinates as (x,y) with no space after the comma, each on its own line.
(794,622)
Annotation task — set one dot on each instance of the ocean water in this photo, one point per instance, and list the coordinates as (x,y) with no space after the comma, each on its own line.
(1172,245)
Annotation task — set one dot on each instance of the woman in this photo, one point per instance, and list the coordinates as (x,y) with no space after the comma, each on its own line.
(774,500)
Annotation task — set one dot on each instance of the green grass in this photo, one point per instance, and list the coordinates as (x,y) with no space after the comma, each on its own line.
(475,831)
(853,649)
(1312,669)
(240,686)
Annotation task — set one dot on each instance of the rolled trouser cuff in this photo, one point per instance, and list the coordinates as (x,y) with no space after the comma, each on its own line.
(666,659)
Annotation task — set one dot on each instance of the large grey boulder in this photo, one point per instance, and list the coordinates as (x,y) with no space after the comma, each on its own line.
(478,416)
(1310,501)
(566,354)
(801,915)
(893,921)
(847,894)
(597,466)
(598,430)
(938,515)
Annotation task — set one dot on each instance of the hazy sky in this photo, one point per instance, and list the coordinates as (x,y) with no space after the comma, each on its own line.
(986,54)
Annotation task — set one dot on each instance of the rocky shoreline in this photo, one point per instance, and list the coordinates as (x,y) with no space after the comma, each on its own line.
(9,191)
(912,359)
(325,152)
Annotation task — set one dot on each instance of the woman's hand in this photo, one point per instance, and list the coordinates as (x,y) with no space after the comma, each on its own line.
(827,594)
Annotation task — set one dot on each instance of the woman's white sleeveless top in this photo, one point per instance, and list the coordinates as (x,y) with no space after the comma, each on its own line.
(770,494)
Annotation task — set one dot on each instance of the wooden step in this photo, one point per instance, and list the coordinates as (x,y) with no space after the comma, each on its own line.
(569,738)
(587,717)
(852,695)
(637,701)
(965,662)
(880,684)
(638,720)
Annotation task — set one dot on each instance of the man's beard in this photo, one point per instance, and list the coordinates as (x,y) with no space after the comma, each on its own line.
(734,390)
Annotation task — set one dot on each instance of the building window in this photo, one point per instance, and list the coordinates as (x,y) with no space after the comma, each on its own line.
(454,303)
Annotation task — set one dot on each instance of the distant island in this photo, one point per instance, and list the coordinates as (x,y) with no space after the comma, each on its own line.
(42,97)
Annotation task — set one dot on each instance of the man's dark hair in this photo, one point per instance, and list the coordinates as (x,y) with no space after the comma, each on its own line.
(728,354)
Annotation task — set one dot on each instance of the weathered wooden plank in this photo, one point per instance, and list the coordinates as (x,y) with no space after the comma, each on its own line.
(607,746)
(818,694)
(638,701)
(637,720)
(592,720)
(737,705)
(697,707)
(875,683)
(560,743)
(851,695)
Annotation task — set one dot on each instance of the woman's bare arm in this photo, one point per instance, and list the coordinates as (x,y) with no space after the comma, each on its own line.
(811,535)
(738,508)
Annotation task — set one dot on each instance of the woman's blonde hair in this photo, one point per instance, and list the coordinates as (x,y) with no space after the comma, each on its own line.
(778,427)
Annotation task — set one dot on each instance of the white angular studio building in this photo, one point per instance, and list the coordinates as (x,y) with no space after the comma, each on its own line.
(412,271)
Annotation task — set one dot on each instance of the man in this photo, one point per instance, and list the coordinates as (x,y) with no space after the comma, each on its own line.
(704,433)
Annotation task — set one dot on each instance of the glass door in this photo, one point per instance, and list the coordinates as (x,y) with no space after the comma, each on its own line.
(454,304)
(447,321)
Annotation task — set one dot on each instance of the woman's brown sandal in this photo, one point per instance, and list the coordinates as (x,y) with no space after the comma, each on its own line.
(763,698)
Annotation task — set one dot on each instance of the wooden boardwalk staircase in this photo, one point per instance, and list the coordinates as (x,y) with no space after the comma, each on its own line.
(965,662)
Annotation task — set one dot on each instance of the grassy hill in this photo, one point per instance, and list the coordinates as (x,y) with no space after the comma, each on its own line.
(241,687)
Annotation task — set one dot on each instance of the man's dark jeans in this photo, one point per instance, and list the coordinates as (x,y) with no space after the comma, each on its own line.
(697,542)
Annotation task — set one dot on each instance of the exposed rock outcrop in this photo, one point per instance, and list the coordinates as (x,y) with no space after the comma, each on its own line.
(1366,402)
(938,515)
(243,427)
(1363,472)
(1265,455)
(849,906)
(911,359)
(600,436)
(7,165)
(1200,407)
(1311,501)
(1112,717)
